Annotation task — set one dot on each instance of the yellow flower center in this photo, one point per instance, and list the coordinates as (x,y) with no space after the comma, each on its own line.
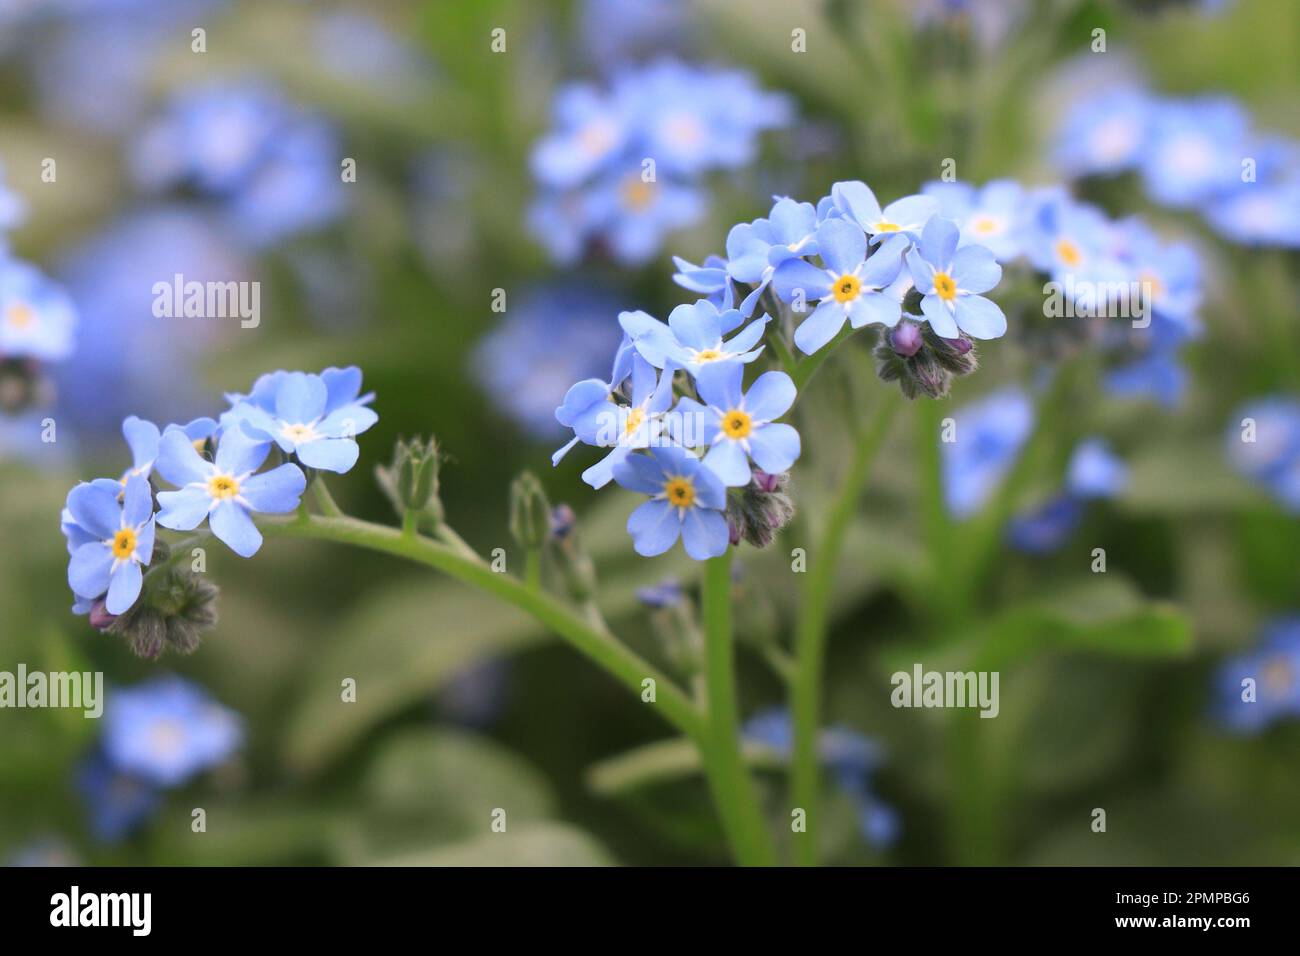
(637,193)
(944,287)
(737,424)
(985,225)
(1152,285)
(679,492)
(124,544)
(222,487)
(1068,252)
(708,355)
(20,315)
(886,226)
(634,419)
(846,288)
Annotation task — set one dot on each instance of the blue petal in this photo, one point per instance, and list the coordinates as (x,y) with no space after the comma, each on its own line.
(979,318)
(796,274)
(748,337)
(770,396)
(342,386)
(885,263)
(95,508)
(137,502)
(874,308)
(183,510)
(602,472)
(843,245)
(719,384)
(144,542)
(774,447)
(238,454)
(276,491)
(939,241)
(729,462)
(89,569)
(580,397)
(123,588)
(301,398)
(704,533)
(974,269)
(330,454)
(696,326)
(856,200)
(231,524)
(178,461)
(142,438)
(654,528)
(692,424)
(640,473)
(347,422)
(940,319)
(922,272)
(820,327)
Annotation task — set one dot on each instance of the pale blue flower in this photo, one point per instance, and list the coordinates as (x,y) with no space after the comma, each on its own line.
(856,202)
(1273,668)
(224,492)
(1272,455)
(738,426)
(113,542)
(590,128)
(686,500)
(755,249)
(847,288)
(709,279)
(950,280)
(991,216)
(1195,150)
(314,417)
(1105,133)
(1094,471)
(693,337)
(117,803)
(142,437)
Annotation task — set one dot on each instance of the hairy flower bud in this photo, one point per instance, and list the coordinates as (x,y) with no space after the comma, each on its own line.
(530,512)
(172,613)
(759,510)
(923,363)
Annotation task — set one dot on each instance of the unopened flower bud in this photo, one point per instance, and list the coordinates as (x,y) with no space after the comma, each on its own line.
(577,570)
(758,511)
(100,619)
(411,481)
(766,482)
(905,339)
(530,512)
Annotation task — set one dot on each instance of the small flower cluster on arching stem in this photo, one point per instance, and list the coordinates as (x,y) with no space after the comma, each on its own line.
(126,578)
(675,417)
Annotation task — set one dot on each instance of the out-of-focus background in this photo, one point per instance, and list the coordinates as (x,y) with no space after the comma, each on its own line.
(134,149)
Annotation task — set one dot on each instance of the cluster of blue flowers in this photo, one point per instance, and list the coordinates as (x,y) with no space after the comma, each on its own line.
(311,421)
(1273,670)
(271,167)
(156,736)
(622,164)
(1269,453)
(1196,153)
(1093,261)
(846,260)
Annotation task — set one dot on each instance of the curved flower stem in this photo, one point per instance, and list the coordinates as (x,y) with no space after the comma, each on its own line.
(621,662)
(324,500)
(733,790)
(810,641)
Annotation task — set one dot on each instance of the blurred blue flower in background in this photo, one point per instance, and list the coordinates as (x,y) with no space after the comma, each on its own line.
(37,317)
(550,337)
(990,215)
(360,47)
(117,802)
(1093,472)
(1274,668)
(1105,133)
(271,166)
(989,433)
(166,730)
(1263,443)
(1195,150)
(128,361)
(851,758)
(621,165)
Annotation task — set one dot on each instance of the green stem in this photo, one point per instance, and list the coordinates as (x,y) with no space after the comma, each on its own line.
(733,790)
(810,641)
(621,662)
(410,523)
(533,568)
(324,500)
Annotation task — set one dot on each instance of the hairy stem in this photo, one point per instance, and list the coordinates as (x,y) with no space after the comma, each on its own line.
(810,640)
